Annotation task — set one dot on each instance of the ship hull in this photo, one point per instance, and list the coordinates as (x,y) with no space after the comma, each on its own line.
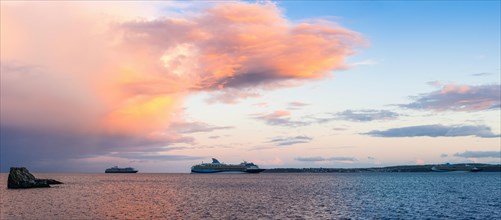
(135,171)
(255,171)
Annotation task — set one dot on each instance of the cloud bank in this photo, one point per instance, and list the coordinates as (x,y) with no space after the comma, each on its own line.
(286,141)
(435,130)
(280,118)
(452,97)
(321,159)
(137,70)
(240,45)
(479,154)
(284,118)
(482,74)
(95,71)
(367,115)
(196,127)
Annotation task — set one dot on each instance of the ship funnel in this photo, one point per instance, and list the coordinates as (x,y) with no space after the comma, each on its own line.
(214,160)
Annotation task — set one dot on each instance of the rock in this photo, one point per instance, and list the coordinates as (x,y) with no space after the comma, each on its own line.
(20,177)
(51,181)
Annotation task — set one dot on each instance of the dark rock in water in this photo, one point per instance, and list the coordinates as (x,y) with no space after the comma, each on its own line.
(52,181)
(20,177)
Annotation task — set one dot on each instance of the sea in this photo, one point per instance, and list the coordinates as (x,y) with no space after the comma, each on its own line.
(451,195)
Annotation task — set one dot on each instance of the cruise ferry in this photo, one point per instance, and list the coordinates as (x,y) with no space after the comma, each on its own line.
(116,169)
(218,167)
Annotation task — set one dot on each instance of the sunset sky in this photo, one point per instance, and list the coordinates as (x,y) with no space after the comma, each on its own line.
(161,86)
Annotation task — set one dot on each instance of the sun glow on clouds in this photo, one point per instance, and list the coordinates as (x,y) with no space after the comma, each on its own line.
(139,109)
(216,49)
(125,73)
(151,63)
(179,60)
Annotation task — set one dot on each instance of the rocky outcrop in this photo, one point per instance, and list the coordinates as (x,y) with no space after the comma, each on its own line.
(20,177)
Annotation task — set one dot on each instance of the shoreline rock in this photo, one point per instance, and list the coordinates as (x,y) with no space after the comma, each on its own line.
(21,178)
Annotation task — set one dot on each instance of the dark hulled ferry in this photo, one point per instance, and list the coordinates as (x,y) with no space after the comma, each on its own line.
(116,169)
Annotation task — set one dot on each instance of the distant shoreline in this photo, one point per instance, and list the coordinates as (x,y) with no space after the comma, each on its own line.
(466,167)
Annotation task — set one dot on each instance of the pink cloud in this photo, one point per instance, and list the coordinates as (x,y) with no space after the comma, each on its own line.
(279,114)
(420,162)
(133,73)
(452,97)
(99,70)
(453,88)
(257,48)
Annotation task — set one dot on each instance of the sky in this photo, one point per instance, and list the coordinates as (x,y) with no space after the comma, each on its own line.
(161,86)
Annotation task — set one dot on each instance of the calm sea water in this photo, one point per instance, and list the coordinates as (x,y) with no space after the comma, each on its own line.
(258,196)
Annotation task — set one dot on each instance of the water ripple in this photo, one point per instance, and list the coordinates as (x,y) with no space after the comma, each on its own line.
(259,196)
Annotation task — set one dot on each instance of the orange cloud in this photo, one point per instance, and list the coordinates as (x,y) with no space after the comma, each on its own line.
(280,113)
(453,88)
(129,74)
(241,45)
(131,115)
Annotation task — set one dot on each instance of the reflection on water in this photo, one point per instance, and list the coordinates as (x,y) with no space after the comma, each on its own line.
(247,196)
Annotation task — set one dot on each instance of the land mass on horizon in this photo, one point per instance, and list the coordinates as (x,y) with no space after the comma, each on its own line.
(466,167)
